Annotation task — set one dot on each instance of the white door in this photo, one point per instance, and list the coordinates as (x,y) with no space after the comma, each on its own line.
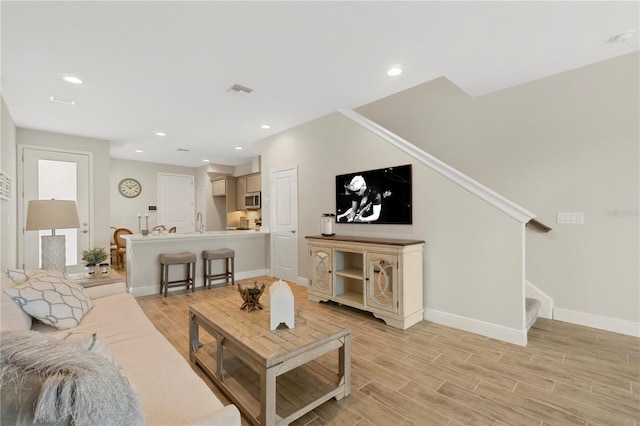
(175,202)
(48,173)
(284,223)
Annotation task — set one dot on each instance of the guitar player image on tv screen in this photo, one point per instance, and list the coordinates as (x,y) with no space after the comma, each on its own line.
(381,196)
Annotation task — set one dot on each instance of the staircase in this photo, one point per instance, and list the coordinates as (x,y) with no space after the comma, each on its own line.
(540,304)
(532,307)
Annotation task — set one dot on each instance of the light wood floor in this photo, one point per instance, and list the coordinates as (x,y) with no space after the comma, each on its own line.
(436,375)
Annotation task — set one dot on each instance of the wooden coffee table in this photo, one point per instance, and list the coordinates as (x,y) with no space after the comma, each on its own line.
(244,358)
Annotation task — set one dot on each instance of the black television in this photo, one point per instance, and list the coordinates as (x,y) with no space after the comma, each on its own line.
(381,196)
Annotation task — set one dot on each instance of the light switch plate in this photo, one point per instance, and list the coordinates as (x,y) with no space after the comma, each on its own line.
(574,218)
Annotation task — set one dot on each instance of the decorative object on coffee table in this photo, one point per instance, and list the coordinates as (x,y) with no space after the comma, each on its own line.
(251,293)
(282,305)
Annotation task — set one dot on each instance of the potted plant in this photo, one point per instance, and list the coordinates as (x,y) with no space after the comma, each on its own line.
(94,257)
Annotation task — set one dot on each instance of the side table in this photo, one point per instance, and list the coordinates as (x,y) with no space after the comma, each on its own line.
(85,282)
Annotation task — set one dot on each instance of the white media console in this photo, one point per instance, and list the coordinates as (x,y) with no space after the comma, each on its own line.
(378,275)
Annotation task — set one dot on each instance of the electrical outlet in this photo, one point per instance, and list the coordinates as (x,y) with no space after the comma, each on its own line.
(576,218)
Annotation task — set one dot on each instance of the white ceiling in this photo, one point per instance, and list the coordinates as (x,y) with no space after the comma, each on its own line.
(150,66)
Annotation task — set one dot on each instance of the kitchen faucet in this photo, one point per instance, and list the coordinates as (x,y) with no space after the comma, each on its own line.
(199,220)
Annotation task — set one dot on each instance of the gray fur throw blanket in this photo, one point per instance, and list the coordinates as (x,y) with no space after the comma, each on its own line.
(44,380)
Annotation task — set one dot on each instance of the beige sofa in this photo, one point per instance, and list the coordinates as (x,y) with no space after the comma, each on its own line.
(170,392)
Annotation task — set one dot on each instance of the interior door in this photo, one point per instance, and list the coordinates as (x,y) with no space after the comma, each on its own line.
(175,202)
(49,173)
(284,223)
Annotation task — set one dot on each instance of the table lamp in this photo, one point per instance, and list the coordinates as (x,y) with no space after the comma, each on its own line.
(52,214)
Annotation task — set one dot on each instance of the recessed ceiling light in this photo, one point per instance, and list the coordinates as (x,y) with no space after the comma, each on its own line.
(619,38)
(71,79)
(238,148)
(62,100)
(265,126)
(161,134)
(394,71)
(139,151)
(205,160)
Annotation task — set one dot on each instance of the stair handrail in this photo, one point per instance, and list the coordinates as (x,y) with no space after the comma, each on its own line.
(500,202)
(539,225)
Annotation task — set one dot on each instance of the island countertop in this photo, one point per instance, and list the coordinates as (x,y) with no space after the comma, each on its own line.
(192,235)
(143,267)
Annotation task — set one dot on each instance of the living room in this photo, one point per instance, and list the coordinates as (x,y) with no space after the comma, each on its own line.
(566,142)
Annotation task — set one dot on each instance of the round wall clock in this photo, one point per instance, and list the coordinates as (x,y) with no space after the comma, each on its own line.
(129,187)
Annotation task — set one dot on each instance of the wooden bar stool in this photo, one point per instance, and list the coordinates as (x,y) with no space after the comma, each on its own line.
(168,259)
(228,255)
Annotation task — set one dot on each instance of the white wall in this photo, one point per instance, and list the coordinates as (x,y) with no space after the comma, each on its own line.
(8,208)
(124,210)
(100,150)
(471,248)
(566,143)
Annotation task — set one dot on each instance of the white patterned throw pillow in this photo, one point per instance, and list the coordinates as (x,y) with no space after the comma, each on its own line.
(18,276)
(53,298)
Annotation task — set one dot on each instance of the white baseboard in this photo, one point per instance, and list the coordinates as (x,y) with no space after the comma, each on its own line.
(615,325)
(304,282)
(144,291)
(499,332)
(155,288)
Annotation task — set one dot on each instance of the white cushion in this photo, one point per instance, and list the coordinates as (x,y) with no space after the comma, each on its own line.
(53,298)
(105,290)
(18,276)
(11,316)
(170,392)
(89,342)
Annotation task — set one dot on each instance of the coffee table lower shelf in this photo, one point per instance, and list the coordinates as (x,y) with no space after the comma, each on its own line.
(298,391)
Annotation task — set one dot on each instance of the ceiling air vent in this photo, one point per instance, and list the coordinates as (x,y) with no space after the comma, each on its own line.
(238,88)
(183,150)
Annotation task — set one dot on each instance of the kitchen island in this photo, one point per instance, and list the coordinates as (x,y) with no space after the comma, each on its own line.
(143,266)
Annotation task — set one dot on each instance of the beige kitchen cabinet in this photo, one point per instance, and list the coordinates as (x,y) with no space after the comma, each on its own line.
(225,186)
(219,187)
(246,185)
(254,183)
(378,275)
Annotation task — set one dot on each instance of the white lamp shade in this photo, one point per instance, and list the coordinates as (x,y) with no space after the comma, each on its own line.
(52,214)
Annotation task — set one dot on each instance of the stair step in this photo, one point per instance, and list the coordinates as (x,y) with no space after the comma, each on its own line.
(532,307)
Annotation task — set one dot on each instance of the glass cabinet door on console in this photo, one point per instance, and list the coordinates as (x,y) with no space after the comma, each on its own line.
(382,282)
(379,275)
(321,271)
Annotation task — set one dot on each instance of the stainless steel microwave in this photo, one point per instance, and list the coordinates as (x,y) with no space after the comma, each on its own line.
(252,200)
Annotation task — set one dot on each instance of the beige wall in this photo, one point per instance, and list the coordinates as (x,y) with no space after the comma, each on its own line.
(566,143)
(216,208)
(100,150)
(8,208)
(471,249)
(124,210)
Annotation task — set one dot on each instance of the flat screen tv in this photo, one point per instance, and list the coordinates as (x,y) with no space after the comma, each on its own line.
(381,196)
